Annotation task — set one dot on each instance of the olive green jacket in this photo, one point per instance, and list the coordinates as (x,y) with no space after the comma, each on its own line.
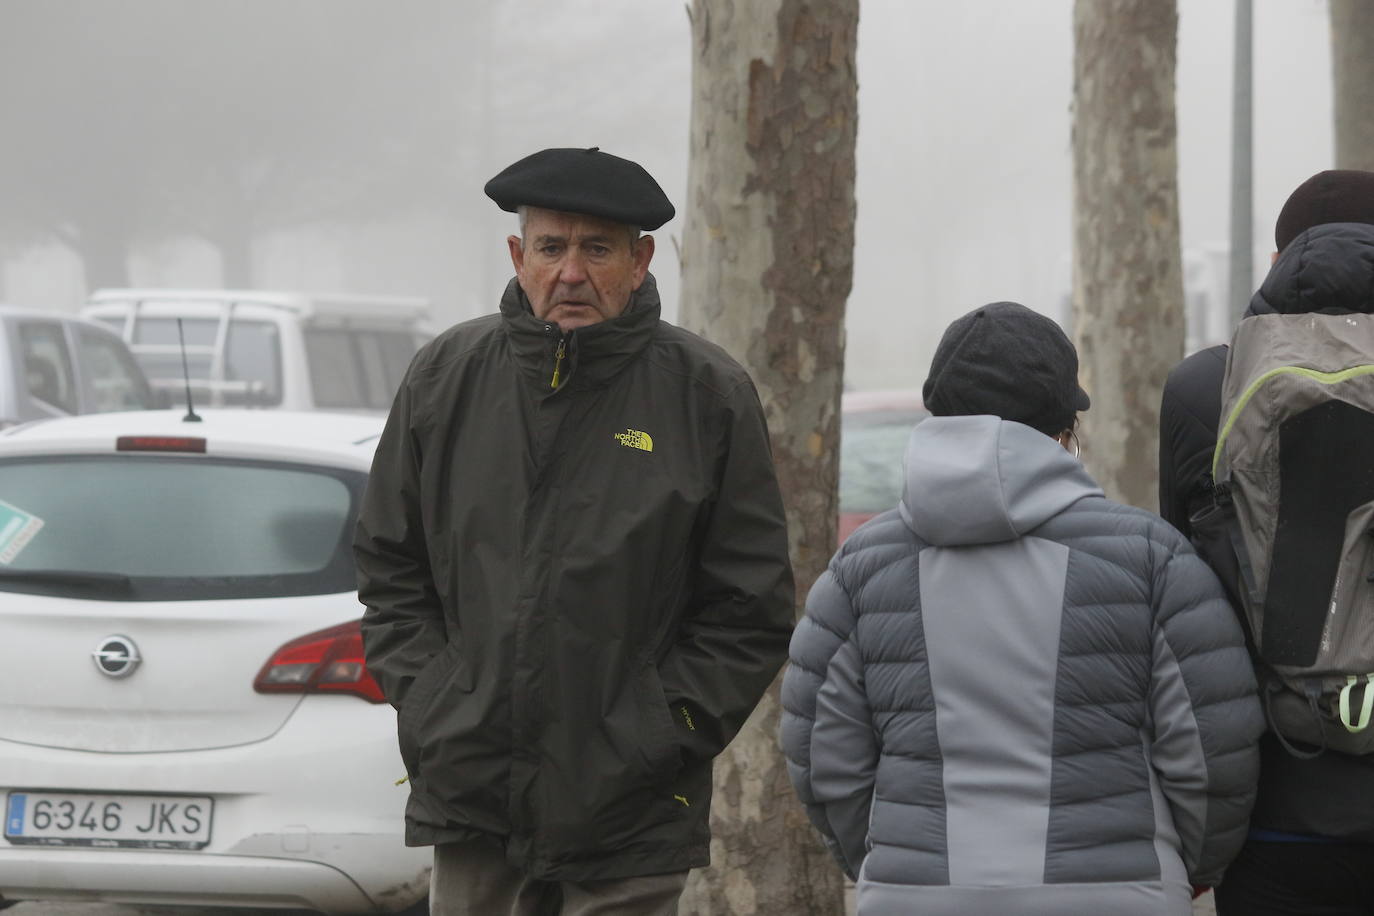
(575,594)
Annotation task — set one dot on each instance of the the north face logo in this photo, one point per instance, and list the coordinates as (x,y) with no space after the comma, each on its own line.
(633,438)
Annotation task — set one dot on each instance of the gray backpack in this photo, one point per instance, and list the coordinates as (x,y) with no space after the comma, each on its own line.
(1292,525)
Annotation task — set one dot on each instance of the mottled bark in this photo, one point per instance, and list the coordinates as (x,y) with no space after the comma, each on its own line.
(1352,66)
(1128,278)
(767,267)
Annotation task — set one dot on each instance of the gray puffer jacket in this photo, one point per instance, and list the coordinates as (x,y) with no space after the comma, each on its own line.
(1011,695)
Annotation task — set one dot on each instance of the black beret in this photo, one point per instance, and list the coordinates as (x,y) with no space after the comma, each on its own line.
(1332,196)
(1008,361)
(583,181)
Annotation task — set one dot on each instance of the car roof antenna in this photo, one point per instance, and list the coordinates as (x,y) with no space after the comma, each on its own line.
(191,415)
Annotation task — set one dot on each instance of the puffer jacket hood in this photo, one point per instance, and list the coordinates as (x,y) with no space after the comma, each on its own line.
(1327,267)
(984,480)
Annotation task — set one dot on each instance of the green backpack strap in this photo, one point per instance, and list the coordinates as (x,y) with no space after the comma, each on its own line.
(1365,709)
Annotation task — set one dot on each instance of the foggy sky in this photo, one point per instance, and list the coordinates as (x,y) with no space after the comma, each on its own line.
(964,157)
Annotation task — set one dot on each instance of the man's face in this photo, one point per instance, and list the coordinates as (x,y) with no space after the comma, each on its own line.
(578,270)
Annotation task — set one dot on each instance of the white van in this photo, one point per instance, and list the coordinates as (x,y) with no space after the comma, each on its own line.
(258,348)
(52,365)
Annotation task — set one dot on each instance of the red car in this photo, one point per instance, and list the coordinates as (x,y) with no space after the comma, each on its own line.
(874,428)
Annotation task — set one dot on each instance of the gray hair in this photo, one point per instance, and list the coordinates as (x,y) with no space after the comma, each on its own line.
(522,214)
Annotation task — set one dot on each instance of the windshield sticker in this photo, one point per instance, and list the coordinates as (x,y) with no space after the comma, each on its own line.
(17,528)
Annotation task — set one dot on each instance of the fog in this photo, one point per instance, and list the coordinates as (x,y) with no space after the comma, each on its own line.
(342,145)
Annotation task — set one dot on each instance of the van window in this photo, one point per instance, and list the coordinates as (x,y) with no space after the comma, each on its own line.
(385,356)
(109,377)
(335,376)
(357,367)
(252,356)
(113,322)
(47,364)
(158,347)
(200,332)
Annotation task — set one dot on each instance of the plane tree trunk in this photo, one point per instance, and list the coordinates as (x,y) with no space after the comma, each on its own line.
(1127,263)
(767,267)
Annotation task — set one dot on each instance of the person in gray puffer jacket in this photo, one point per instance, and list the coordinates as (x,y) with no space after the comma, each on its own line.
(1010,694)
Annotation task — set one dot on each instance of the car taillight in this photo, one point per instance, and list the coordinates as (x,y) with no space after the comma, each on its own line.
(160,444)
(327,661)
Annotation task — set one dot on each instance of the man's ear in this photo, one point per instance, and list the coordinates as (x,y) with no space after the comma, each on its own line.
(643,253)
(517,252)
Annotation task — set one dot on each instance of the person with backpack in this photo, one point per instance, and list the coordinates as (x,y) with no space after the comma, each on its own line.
(1010,694)
(1284,511)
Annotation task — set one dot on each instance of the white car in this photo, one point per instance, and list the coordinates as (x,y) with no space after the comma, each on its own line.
(186,716)
(54,365)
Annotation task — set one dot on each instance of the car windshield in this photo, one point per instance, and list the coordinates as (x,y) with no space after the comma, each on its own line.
(175,528)
(872,443)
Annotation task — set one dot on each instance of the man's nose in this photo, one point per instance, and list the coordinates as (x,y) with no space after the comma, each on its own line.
(573,269)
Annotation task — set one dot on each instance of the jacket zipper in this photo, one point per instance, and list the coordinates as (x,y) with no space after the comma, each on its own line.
(558,360)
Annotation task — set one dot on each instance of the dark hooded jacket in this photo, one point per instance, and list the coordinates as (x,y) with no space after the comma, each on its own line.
(575,594)
(1328,267)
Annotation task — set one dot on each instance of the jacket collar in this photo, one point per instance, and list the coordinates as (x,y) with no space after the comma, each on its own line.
(593,355)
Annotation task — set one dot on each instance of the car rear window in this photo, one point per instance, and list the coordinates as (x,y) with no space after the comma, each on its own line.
(180,528)
(872,443)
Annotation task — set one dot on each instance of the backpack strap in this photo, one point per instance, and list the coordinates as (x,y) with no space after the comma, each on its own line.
(1365,710)
(1273,686)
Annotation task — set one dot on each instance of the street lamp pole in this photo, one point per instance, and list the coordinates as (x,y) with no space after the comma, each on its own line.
(1242,167)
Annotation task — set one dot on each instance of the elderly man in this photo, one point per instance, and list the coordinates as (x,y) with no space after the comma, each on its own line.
(573,555)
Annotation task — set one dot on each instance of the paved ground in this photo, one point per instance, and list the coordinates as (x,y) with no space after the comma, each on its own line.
(1202,907)
(108,909)
(114,909)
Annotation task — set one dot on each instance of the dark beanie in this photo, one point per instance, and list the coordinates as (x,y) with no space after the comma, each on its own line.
(1010,362)
(1333,196)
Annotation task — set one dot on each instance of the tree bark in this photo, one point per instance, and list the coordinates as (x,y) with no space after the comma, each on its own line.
(1352,65)
(767,267)
(1128,277)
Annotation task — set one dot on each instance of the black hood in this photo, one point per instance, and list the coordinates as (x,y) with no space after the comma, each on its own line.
(1328,267)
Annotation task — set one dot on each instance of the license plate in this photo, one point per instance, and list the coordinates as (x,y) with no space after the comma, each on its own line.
(80,819)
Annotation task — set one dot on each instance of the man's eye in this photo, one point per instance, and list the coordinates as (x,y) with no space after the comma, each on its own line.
(550,251)
(598,251)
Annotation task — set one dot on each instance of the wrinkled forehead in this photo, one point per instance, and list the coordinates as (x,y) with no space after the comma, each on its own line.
(536,222)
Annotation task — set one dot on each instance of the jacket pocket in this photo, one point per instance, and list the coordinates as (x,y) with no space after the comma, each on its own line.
(659,747)
(446,670)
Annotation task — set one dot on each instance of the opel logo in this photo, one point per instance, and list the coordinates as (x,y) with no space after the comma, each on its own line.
(116,656)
